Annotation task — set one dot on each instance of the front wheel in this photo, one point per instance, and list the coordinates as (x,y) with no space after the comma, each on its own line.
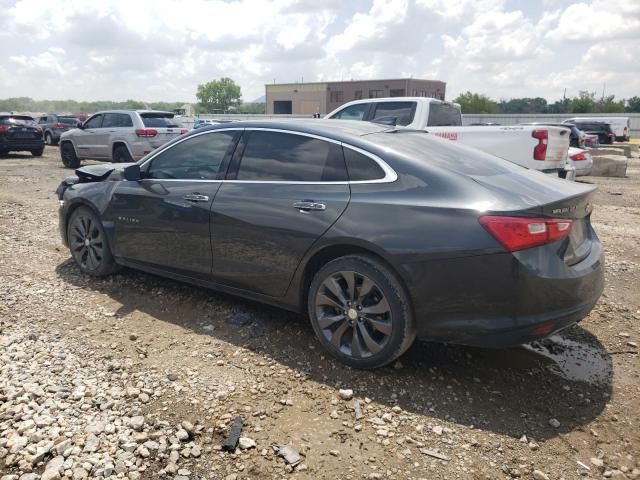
(37,152)
(68,155)
(88,244)
(360,312)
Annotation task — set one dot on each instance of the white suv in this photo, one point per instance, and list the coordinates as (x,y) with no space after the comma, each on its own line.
(118,136)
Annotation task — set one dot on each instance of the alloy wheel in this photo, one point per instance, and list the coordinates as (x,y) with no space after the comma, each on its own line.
(353,314)
(87,244)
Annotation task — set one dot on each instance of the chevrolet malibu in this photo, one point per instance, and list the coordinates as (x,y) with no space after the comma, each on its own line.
(379,234)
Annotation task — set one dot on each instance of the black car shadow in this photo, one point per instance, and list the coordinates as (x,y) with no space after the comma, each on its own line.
(511,392)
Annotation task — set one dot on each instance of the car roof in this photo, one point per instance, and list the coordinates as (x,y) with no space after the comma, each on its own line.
(337,129)
(137,111)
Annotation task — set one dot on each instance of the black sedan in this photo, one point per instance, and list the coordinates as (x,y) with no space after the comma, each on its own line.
(20,133)
(379,234)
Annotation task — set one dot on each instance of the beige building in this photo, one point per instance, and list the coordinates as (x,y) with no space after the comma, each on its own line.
(323,97)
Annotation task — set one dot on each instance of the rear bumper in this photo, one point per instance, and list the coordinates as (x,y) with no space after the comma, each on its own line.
(21,144)
(505,299)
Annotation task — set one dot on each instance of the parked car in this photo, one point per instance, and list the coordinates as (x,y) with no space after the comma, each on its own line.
(19,133)
(619,125)
(576,138)
(379,234)
(538,148)
(118,136)
(54,125)
(582,160)
(601,129)
(591,141)
(203,122)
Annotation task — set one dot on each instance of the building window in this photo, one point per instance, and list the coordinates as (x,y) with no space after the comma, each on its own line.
(336,97)
(376,93)
(357,95)
(396,92)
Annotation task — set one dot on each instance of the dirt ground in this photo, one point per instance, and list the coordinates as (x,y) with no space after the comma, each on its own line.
(566,408)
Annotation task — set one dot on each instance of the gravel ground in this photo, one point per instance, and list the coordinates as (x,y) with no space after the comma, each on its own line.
(139,377)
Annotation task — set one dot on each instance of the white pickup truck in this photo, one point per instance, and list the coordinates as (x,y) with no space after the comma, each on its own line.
(535,147)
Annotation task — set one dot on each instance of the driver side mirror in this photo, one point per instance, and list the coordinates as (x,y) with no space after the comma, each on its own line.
(132,173)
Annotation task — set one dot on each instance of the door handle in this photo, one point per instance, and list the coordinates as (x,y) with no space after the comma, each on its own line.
(196,197)
(307,205)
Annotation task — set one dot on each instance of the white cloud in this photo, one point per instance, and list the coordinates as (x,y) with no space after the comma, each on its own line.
(162,49)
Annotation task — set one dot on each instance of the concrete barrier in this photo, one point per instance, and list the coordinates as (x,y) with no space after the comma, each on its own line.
(609,166)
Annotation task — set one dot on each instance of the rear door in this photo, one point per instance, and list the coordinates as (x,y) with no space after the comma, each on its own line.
(163,219)
(115,127)
(281,194)
(164,124)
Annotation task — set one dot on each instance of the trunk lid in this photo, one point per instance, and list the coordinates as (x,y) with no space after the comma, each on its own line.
(530,193)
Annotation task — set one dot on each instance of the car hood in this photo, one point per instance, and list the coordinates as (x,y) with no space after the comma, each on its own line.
(98,173)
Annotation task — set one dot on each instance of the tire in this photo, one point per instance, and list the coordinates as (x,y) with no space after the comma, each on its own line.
(38,152)
(378,326)
(68,155)
(4,153)
(48,139)
(121,155)
(88,244)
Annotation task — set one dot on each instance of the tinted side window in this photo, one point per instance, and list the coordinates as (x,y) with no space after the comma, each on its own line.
(402,112)
(443,115)
(94,122)
(361,167)
(197,158)
(117,120)
(353,112)
(274,156)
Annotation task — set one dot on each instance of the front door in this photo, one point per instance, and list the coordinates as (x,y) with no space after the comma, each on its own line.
(163,219)
(280,196)
(86,138)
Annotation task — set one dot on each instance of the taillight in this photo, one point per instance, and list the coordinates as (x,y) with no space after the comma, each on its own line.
(147,132)
(578,156)
(4,128)
(183,131)
(519,233)
(540,150)
(58,125)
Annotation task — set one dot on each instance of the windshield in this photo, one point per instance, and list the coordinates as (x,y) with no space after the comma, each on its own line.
(159,120)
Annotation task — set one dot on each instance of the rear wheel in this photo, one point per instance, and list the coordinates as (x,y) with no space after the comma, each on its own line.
(48,138)
(121,155)
(88,243)
(360,312)
(37,152)
(68,155)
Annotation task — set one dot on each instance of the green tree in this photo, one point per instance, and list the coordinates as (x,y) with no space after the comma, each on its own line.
(583,103)
(609,105)
(476,103)
(632,105)
(218,96)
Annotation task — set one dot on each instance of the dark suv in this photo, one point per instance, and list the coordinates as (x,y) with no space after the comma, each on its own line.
(53,125)
(20,133)
(602,130)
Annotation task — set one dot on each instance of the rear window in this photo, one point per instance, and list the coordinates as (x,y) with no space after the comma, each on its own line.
(158,120)
(400,112)
(17,120)
(443,115)
(69,120)
(423,147)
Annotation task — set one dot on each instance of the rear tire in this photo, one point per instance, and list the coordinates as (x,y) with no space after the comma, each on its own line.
(121,155)
(360,312)
(48,139)
(38,152)
(88,244)
(68,155)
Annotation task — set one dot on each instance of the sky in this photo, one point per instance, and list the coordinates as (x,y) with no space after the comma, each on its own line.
(160,50)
